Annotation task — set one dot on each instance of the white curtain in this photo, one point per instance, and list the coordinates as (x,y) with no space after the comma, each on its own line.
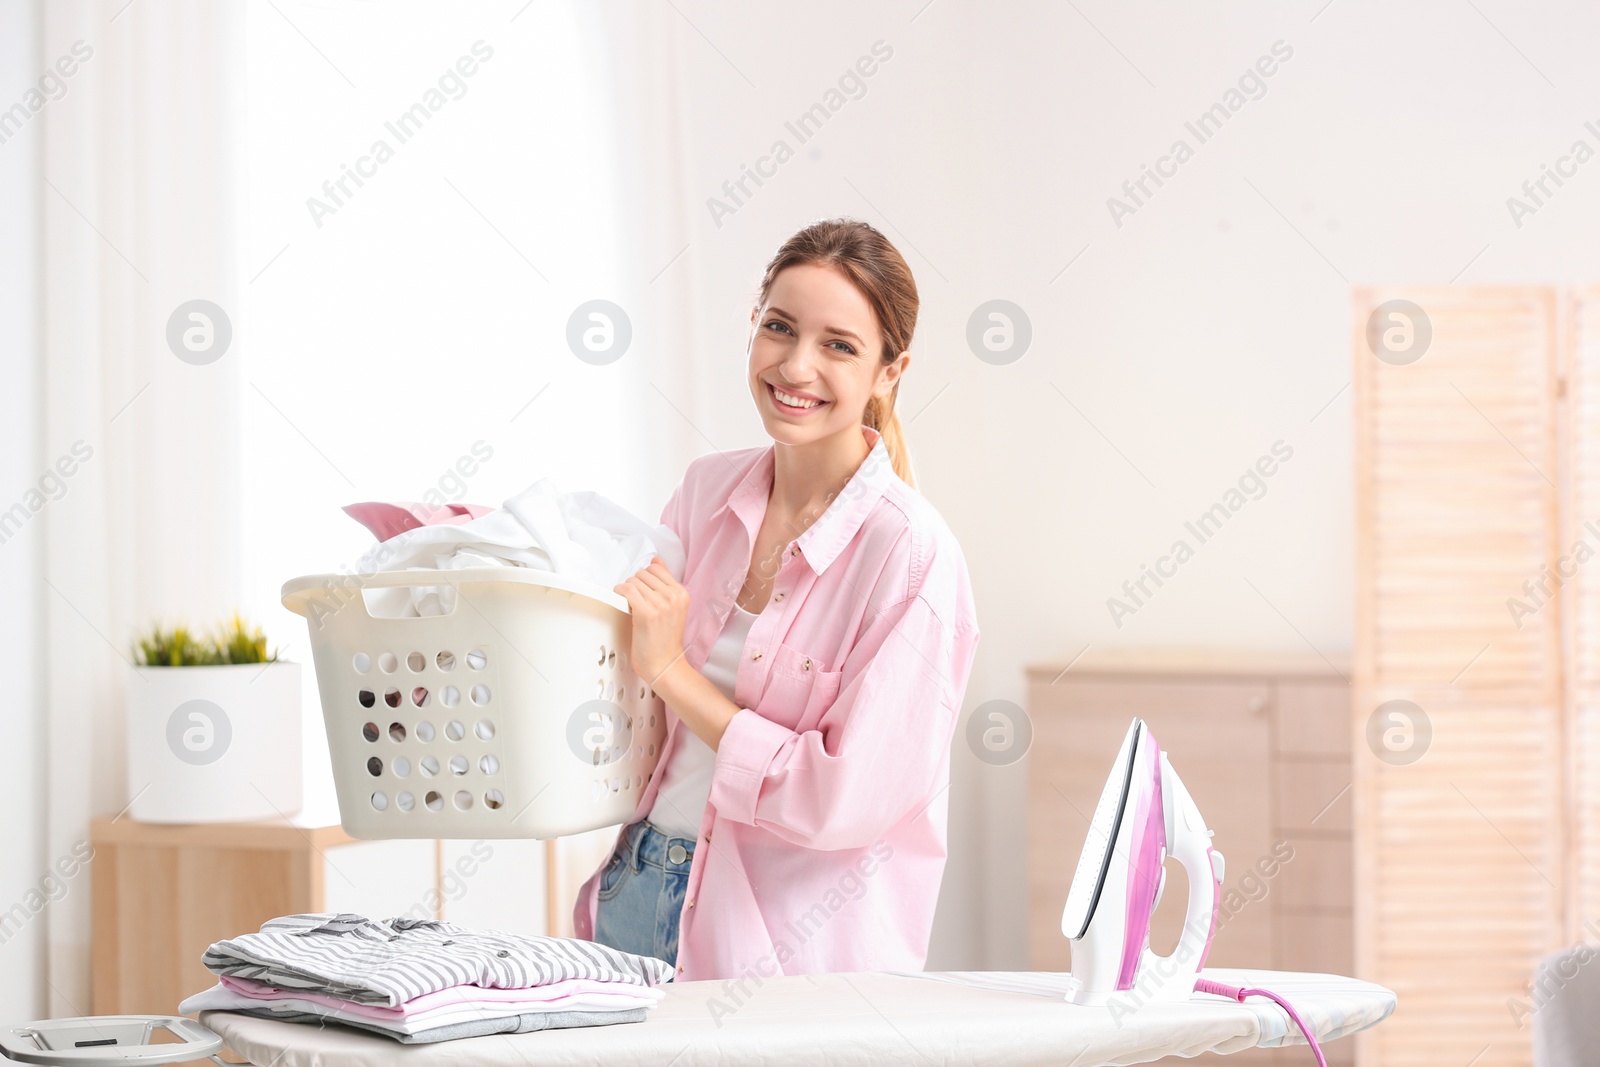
(144,171)
(138,217)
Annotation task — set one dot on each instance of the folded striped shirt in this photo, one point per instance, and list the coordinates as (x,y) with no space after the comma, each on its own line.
(392,961)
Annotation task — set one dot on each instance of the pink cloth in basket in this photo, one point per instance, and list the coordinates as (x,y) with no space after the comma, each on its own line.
(384,519)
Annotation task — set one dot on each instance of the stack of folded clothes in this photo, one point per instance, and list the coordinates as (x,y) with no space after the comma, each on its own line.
(421,980)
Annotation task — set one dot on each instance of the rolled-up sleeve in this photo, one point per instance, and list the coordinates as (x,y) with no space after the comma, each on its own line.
(878,752)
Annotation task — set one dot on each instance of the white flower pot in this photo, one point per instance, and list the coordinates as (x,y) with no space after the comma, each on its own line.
(214,744)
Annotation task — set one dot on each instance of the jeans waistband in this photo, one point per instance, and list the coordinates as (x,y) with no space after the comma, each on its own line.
(643,843)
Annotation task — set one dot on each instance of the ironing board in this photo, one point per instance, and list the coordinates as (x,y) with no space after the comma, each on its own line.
(995,1018)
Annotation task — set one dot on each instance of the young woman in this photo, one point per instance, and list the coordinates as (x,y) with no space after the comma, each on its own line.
(813,660)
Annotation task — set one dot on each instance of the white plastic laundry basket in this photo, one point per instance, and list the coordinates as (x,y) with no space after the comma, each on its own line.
(515,715)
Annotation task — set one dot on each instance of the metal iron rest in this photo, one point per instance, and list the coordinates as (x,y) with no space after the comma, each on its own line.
(110,1041)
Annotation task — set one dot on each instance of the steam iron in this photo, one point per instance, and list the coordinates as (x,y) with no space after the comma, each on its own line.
(1144,815)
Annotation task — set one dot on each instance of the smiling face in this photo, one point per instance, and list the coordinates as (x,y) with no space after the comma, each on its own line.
(816,355)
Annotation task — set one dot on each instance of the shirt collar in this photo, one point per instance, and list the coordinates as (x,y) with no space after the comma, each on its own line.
(821,542)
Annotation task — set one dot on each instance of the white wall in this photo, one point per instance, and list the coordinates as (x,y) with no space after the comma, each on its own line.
(1211,324)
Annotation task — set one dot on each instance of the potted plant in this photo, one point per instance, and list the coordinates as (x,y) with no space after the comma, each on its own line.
(213,727)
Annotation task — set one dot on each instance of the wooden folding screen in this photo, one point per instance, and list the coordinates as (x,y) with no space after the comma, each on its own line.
(1462,810)
(1577,567)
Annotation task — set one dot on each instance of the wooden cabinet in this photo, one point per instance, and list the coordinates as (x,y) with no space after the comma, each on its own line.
(1263,745)
(163,893)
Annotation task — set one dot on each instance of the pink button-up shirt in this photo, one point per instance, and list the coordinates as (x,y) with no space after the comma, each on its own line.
(822,846)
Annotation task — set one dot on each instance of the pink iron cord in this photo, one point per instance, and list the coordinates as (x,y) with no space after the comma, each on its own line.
(1233,992)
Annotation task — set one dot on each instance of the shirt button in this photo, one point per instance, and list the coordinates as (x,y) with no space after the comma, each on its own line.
(756,655)
(777,596)
(691,902)
(680,968)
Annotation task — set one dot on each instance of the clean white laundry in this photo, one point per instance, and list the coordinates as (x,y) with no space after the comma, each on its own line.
(581,535)
(686,782)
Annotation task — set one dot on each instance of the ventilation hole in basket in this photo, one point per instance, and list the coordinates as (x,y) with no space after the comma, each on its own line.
(641,692)
(370,731)
(428,765)
(401,767)
(454,730)
(362,663)
(651,750)
(449,696)
(600,689)
(367,698)
(477,659)
(387,663)
(380,801)
(405,801)
(596,790)
(425,731)
(489,765)
(397,731)
(458,765)
(463,800)
(446,661)
(416,661)
(480,695)
(651,721)
(494,800)
(602,661)
(374,766)
(391,697)
(484,730)
(611,659)
(420,697)
(433,800)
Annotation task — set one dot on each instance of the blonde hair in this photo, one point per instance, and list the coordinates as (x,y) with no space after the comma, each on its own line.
(874,266)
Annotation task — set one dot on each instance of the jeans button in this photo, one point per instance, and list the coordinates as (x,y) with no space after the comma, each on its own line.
(677,853)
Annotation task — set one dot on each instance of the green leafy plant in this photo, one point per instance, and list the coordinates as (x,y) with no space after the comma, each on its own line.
(234,642)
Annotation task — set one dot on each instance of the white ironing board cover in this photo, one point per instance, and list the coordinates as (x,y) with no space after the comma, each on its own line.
(864,1017)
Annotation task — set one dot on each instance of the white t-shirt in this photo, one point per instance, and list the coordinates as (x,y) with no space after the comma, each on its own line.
(686,780)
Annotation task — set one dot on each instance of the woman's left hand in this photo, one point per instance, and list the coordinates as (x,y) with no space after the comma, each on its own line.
(660,608)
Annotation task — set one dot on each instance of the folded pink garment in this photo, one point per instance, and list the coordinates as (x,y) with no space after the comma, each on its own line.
(388,519)
(595,1006)
(557,996)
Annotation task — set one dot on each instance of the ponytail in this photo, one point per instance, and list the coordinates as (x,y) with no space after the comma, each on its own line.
(881,417)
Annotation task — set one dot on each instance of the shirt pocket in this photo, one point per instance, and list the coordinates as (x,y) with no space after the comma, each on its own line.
(798,689)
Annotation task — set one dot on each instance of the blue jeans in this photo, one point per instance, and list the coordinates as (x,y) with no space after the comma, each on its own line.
(641,892)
